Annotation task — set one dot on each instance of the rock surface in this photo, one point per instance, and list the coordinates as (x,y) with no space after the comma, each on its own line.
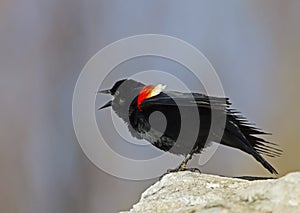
(194,192)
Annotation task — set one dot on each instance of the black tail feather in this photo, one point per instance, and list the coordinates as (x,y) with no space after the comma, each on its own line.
(241,134)
(250,132)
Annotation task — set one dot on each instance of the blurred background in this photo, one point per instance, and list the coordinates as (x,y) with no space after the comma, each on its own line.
(254,46)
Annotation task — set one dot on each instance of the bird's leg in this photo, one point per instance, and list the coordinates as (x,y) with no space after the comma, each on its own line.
(182,166)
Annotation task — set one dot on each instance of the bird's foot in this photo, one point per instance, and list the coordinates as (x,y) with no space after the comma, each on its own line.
(183,169)
(180,169)
(182,166)
(193,170)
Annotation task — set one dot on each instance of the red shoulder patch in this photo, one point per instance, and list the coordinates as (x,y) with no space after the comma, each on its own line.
(144,94)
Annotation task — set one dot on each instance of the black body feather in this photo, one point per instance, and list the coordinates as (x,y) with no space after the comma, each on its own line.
(237,131)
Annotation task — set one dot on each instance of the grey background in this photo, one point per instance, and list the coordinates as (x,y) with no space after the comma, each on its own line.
(254,46)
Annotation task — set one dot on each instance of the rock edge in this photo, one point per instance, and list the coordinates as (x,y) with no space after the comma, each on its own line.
(195,192)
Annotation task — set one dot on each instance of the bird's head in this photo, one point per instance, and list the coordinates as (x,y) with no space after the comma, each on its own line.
(114,91)
(124,92)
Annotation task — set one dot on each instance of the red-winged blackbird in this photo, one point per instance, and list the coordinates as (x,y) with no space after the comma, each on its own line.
(134,102)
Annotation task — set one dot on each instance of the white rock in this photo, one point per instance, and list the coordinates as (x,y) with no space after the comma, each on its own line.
(194,192)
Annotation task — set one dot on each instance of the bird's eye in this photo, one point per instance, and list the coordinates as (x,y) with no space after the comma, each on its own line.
(117,93)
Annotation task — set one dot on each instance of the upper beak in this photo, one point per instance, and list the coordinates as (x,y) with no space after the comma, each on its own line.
(107,91)
(108,104)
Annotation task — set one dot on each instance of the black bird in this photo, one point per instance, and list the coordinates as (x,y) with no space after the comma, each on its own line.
(134,102)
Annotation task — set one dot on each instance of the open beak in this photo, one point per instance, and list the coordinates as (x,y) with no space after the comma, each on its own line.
(108,104)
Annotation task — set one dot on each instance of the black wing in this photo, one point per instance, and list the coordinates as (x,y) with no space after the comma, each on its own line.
(238,133)
(173,98)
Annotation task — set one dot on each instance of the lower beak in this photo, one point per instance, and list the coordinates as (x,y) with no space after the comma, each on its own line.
(108,104)
(107,91)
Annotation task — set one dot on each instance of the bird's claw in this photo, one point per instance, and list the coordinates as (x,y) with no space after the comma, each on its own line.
(193,170)
(180,169)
